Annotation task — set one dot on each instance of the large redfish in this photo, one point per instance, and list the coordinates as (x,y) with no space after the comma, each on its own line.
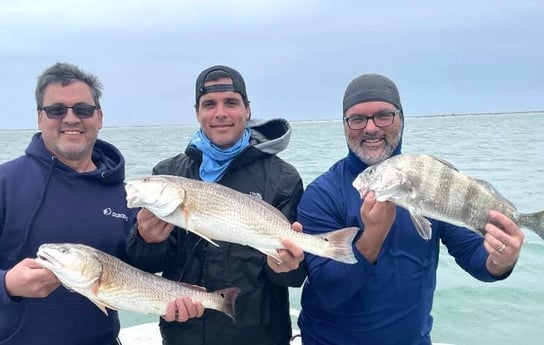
(219,213)
(111,283)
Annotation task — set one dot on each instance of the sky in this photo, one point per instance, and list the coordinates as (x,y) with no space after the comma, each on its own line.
(297,56)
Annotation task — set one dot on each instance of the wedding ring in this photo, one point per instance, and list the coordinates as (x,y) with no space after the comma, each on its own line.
(501,249)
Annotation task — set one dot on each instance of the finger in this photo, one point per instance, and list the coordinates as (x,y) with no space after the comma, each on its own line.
(292,249)
(502,222)
(296,226)
(190,307)
(370,197)
(494,245)
(182,314)
(31,263)
(199,309)
(144,214)
(171,310)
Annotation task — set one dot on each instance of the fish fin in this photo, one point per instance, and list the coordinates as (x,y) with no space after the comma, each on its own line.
(229,296)
(269,207)
(95,286)
(495,193)
(533,221)
(341,241)
(100,306)
(422,224)
(196,232)
(194,287)
(270,252)
(443,161)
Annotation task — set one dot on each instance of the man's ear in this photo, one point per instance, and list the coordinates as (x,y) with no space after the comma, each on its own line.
(40,119)
(197,115)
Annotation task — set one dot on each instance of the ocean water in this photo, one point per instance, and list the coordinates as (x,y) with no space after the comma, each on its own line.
(507,150)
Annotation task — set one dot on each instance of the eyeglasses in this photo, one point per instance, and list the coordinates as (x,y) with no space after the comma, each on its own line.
(381,119)
(58,111)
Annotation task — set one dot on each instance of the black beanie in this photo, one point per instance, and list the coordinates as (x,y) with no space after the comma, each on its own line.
(371,87)
(238,84)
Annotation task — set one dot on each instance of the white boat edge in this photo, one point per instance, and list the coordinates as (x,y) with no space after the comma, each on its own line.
(149,334)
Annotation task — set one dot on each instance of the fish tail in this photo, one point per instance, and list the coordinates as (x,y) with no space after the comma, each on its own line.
(533,221)
(229,296)
(340,241)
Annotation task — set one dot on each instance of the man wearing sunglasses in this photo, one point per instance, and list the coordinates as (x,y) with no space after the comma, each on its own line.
(386,297)
(233,151)
(67,187)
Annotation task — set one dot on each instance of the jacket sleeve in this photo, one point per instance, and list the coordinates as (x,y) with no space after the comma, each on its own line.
(334,283)
(5,298)
(287,199)
(151,257)
(467,247)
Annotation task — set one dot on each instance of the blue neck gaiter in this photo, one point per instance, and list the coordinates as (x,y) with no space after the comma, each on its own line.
(216,160)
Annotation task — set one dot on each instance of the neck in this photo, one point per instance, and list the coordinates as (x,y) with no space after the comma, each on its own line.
(81,166)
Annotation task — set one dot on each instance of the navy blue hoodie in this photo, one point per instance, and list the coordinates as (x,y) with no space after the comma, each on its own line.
(43,200)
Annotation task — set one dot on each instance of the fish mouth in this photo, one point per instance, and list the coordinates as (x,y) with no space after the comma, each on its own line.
(46,260)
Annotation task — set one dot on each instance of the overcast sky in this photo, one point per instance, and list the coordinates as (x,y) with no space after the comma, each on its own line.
(297,56)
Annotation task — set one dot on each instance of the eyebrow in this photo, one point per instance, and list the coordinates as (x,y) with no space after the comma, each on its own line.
(385,110)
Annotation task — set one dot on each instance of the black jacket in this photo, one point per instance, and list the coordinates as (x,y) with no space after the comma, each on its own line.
(262,308)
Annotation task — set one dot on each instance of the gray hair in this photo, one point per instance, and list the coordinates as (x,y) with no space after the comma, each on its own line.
(65,74)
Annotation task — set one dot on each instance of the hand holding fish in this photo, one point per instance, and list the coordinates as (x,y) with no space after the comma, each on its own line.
(30,279)
(183,309)
(378,218)
(151,228)
(290,257)
(503,241)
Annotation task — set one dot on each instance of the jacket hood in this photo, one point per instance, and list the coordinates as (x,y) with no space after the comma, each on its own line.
(107,158)
(270,136)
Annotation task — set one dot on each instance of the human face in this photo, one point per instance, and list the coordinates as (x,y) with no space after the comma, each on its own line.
(70,139)
(373,144)
(222,115)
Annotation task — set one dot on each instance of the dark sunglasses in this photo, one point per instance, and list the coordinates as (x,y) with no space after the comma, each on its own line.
(58,111)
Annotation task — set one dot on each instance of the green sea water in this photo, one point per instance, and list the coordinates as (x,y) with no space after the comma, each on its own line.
(505,149)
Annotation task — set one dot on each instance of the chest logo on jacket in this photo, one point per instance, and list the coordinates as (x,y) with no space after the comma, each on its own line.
(108,212)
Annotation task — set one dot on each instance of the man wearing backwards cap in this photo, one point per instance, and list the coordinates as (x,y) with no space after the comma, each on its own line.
(231,150)
(386,297)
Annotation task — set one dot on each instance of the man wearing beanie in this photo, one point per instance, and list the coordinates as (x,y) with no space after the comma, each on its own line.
(232,150)
(386,297)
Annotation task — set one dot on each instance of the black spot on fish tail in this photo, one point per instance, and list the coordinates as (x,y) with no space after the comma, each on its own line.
(229,296)
(341,244)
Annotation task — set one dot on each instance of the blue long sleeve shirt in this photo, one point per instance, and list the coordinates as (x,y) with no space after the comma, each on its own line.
(388,302)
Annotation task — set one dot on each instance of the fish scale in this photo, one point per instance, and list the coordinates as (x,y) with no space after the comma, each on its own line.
(431,187)
(218,213)
(111,283)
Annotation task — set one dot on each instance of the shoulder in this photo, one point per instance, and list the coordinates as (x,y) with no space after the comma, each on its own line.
(172,165)
(330,189)
(17,167)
